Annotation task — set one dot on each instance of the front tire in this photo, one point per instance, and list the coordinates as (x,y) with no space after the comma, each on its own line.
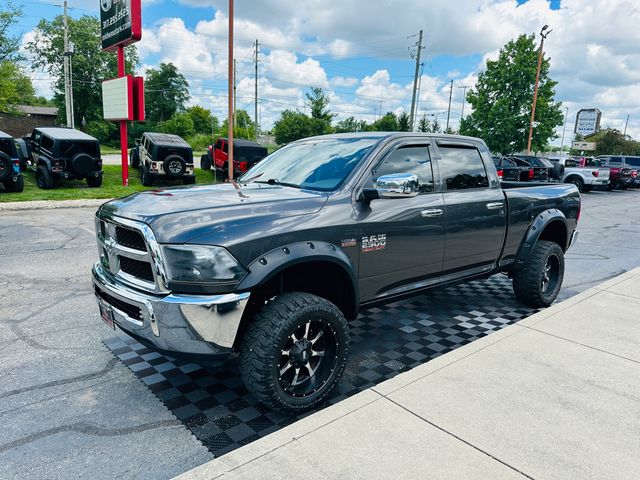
(578,183)
(539,282)
(294,351)
(44,178)
(146,177)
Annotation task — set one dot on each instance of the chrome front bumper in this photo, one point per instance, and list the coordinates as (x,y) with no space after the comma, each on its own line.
(191,324)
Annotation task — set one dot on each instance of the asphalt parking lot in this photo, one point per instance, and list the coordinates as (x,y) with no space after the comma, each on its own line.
(71,407)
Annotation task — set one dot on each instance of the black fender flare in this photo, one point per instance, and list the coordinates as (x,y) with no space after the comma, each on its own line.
(44,161)
(538,225)
(269,264)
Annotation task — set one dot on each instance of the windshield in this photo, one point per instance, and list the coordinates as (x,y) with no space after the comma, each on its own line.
(320,164)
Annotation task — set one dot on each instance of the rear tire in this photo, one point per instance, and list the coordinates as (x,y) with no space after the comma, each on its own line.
(577,182)
(94,182)
(279,360)
(146,177)
(539,282)
(43,178)
(134,158)
(14,187)
(205,163)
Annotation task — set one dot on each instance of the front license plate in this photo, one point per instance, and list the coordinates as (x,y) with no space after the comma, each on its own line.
(107,315)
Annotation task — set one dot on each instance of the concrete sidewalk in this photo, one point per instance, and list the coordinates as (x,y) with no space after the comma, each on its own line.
(555,396)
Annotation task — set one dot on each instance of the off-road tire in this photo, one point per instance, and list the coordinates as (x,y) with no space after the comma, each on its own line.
(528,282)
(205,163)
(260,348)
(15,187)
(44,178)
(146,178)
(134,158)
(172,161)
(6,166)
(94,182)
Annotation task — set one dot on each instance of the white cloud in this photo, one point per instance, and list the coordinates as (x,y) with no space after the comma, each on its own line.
(343,82)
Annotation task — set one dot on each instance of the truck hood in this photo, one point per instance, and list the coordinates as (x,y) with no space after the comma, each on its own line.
(179,215)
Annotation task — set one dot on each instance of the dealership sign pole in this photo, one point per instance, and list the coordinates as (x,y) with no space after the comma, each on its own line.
(122,97)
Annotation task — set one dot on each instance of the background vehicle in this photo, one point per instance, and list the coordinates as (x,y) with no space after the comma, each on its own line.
(513,169)
(621,176)
(585,174)
(543,170)
(24,152)
(10,175)
(163,155)
(273,266)
(65,153)
(245,155)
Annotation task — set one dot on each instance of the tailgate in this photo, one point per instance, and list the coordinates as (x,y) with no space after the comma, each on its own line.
(603,173)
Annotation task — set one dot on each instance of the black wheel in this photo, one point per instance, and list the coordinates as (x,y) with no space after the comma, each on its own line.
(539,282)
(294,351)
(134,158)
(16,187)
(189,180)
(577,182)
(174,166)
(6,166)
(43,178)
(205,163)
(146,178)
(94,182)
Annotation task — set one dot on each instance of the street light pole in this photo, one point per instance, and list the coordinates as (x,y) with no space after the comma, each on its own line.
(543,35)
(564,127)
(625,127)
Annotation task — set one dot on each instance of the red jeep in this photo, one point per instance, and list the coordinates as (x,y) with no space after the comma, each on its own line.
(245,155)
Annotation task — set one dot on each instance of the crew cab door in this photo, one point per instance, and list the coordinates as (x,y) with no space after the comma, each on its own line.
(401,240)
(475,208)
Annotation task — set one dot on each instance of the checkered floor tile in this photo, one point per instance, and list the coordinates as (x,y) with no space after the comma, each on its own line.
(386,340)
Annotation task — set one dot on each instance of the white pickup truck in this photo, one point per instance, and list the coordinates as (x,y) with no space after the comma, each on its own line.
(584,173)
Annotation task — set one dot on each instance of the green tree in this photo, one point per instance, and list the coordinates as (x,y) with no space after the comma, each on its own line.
(387,123)
(203,120)
(180,124)
(424,125)
(318,101)
(15,88)
(90,64)
(404,122)
(610,141)
(166,92)
(291,126)
(245,127)
(350,124)
(435,126)
(10,44)
(502,99)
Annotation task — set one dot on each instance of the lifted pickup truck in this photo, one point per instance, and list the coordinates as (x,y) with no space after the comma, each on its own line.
(274,265)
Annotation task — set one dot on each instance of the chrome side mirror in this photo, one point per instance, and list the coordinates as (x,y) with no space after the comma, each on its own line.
(397,185)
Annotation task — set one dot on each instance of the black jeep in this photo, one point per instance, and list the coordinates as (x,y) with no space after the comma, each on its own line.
(10,175)
(66,153)
(163,155)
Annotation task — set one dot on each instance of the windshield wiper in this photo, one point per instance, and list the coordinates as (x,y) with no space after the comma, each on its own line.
(275,181)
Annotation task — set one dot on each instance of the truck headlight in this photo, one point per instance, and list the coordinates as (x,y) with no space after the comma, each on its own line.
(200,264)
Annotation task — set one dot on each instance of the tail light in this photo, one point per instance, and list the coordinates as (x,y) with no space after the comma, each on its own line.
(16,165)
(531,174)
(634,173)
(595,173)
(500,174)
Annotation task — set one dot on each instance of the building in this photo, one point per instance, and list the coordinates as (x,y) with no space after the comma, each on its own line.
(23,122)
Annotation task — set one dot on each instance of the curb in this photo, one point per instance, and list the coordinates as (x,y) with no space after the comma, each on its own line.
(52,204)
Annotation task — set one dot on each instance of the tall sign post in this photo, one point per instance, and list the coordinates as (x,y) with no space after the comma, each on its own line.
(121,25)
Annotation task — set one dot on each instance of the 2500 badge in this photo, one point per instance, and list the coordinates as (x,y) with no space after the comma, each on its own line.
(373,243)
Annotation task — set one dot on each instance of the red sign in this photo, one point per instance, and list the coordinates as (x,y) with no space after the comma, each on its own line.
(120,22)
(138,99)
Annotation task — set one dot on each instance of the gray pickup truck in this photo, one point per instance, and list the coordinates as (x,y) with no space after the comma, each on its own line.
(274,265)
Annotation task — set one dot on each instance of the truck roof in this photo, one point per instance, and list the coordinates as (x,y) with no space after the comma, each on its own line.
(64,133)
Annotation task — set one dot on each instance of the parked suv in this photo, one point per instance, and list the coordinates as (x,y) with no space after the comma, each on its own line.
(10,175)
(65,153)
(245,155)
(622,174)
(163,155)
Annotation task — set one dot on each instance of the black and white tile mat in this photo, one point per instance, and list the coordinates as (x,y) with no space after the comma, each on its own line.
(387,340)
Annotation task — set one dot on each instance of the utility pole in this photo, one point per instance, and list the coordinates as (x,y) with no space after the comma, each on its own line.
(235,101)
(230,94)
(69,55)
(67,87)
(564,127)
(625,127)
(449,111)
(543,35)
(255,117)
(415,81)
(464,97)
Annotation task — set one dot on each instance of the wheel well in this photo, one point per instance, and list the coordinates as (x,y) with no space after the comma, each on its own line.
(555,231)
(324,279)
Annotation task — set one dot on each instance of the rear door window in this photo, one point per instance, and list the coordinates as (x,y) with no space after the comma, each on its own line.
(462,168)
(615,161)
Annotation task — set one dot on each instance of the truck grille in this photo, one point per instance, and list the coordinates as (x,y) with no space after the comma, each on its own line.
(130,238)
(127,250)
(136,268)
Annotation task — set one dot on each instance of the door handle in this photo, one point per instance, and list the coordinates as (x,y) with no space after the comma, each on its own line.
(495,205)
(434,212)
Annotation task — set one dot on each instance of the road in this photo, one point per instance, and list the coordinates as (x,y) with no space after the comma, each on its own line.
(69,408)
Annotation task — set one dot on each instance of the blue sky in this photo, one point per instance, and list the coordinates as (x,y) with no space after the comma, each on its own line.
(359,51)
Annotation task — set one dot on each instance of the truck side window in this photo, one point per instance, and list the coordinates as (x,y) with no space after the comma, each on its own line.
(462,168)
(408,159)
(615,161)
(47,143)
